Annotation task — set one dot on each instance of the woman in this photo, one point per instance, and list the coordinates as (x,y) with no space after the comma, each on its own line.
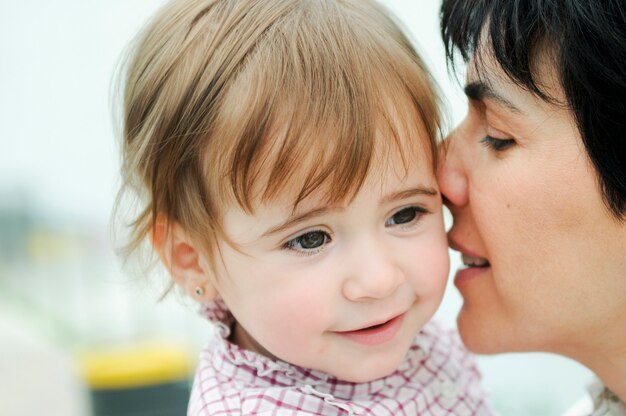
(535,177)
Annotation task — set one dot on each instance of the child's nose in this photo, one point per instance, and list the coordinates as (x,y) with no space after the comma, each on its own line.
(375,275)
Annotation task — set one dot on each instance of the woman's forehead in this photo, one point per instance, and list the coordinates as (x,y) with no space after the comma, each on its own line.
(484,68)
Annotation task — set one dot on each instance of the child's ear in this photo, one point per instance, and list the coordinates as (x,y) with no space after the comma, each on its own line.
(183,259)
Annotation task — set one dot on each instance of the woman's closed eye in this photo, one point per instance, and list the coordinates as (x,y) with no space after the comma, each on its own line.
(497,144)
(310,242)
(406,216)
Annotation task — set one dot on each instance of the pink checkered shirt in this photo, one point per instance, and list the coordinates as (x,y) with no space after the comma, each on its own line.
(437,377)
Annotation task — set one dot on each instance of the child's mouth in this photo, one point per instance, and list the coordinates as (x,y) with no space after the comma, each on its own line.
(375,334)
(375,326)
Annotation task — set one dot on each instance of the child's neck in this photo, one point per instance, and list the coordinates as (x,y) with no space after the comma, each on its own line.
(240,337)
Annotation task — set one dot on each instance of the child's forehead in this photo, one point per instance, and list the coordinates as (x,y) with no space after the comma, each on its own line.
(328,169)
(389,170)
(397,127)
(384,182)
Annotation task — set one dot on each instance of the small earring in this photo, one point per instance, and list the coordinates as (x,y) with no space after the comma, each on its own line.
(199,290)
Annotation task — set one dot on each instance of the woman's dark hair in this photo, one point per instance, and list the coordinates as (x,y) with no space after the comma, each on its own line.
(586,40)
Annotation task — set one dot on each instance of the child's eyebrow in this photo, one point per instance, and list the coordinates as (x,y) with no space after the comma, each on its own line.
(318,212)
(407,193)
(293,220)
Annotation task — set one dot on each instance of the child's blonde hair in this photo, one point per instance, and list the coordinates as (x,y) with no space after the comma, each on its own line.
(237,101)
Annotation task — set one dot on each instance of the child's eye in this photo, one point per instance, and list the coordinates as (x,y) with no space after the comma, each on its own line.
(497,145)
(311,241)
(405,216)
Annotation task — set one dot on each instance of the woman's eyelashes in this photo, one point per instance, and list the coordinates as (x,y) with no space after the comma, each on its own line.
(495,139)
(406,216)
(497,144)
(310,242)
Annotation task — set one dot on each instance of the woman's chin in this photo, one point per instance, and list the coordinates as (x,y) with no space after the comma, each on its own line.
(478,336)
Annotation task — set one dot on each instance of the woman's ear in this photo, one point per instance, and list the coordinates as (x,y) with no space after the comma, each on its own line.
(183,259)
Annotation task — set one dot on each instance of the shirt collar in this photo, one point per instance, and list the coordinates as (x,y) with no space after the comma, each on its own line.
(605,401)
(232,359)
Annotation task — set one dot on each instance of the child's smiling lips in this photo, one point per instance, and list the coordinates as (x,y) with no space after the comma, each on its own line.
(375,334)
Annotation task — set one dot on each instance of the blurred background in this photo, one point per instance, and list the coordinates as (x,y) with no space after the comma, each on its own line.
(74,325)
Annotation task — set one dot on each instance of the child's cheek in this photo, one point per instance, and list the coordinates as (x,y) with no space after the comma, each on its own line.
(440,267)
(433,262)
(301,311)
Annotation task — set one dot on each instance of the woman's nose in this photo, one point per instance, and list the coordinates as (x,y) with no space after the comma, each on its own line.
(451,174)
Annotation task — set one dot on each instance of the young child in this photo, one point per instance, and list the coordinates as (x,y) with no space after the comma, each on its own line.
(285,151)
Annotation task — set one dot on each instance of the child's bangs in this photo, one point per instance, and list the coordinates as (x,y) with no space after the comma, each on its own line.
(322,110)
(329,154)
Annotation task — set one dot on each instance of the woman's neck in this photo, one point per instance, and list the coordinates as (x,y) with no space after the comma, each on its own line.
(607,359)
(612,372)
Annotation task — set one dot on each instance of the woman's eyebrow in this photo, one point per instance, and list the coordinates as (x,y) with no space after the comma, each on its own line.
(480,90)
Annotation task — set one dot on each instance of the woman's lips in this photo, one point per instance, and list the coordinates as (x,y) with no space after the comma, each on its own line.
(468,273)
(472,261)
(473,264)
(473,267)
(376,334)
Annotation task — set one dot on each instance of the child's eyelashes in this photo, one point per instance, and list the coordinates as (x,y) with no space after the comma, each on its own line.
(406,216)
(314,241)
(308,243)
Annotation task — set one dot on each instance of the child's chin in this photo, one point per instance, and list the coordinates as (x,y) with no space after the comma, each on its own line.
(369,371)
